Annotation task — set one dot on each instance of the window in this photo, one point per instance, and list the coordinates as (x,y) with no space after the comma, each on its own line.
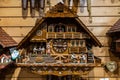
(60,28)
(50,28)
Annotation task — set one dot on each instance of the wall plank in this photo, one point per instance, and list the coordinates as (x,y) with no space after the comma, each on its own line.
(102,11)
(53,2)
(12,21)
(17,21)
(10,3)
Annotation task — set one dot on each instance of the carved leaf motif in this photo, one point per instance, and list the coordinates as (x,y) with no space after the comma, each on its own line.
(111,66)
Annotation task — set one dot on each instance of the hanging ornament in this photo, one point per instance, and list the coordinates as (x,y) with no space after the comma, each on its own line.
(65,2)
(70,4)
(24,8)
(82,4)
(49,3)
(41,6)
(89,10)
(32,7)
(75,5)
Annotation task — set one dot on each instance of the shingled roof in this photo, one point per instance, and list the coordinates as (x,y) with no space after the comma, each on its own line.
(6,40)
(115,27)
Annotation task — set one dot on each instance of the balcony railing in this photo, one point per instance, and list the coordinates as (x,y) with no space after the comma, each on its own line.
(66,35)
(77,49)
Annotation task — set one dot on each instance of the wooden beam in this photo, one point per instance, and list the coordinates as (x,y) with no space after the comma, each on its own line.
(16,73)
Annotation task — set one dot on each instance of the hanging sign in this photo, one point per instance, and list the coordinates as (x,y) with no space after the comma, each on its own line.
(14,54)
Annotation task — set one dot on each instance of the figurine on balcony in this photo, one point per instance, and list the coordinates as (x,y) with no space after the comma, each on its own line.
(43,50)
(39,49)
(35,50)
(73,58)
(48,49)
(83,58)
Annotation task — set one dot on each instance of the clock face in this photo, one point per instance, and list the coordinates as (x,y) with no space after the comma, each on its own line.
(59,45)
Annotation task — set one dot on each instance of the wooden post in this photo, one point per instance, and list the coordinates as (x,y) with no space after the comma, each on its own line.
(16,74)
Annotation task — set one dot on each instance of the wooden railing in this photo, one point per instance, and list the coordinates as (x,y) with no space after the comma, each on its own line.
(77,49)
(66,35)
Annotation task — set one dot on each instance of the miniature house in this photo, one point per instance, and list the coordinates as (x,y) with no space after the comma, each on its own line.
(115,38)
(59,43)
(6,42)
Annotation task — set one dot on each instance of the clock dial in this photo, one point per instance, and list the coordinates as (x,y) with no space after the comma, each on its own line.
(60,45)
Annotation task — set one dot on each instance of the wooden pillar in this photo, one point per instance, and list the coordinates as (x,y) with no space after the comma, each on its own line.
(16,74)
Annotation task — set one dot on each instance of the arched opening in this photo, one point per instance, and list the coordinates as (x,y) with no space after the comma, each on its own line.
(60,28)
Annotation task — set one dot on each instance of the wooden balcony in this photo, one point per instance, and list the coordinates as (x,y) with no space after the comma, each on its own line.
(77,49)
(66,35)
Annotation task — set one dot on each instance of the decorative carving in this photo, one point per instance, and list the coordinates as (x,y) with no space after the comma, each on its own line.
(111,66)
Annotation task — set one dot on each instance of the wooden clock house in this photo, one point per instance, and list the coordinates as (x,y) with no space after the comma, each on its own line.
(6,43)
(115,38)
(60,44)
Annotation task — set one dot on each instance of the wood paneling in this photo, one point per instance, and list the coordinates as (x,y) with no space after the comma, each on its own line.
(17,21)
(101,52)
(96,11)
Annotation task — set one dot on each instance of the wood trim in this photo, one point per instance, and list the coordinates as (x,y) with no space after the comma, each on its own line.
(97,43)
(16,73)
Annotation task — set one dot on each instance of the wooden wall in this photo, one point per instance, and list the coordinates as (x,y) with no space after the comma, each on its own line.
(104,15)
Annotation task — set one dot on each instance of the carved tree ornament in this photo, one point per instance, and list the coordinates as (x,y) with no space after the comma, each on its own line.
(111,66)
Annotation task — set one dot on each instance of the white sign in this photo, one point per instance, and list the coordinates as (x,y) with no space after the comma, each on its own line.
(104,79)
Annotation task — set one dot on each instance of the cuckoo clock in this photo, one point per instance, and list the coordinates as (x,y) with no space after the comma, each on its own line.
(113,33)
(60,44)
